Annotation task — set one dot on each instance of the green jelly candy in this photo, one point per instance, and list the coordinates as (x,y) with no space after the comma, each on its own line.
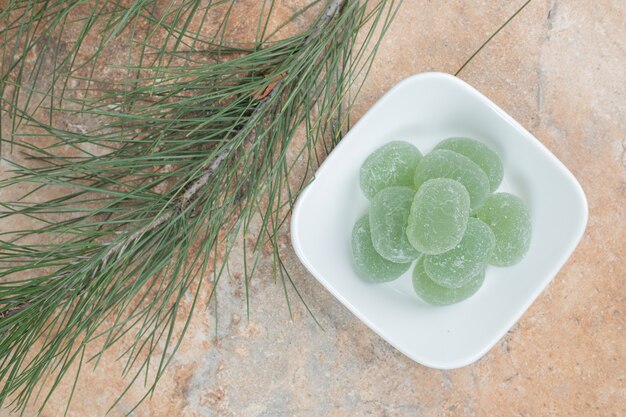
(439,216)
(442,163)
(480,154)
(389,213)
(439,295)
(369,264)
(509,219)
(455,268)
(392,165)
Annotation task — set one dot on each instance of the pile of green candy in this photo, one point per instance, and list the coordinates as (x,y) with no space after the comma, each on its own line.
(442,210)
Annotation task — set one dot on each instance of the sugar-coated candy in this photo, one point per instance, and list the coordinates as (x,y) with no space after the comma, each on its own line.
(509,219)
(391,165)
(369,264)
(389,213)
(439,216)
(439,295)
(442,163)
(480,154)
(456,267)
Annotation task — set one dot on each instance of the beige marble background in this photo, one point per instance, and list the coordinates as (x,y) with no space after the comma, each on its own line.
(560,69)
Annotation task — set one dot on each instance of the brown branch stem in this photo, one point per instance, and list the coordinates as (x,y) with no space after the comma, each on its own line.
(333,8)
(5,314)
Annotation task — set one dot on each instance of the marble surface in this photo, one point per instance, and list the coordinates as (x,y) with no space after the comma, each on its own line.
(559,69)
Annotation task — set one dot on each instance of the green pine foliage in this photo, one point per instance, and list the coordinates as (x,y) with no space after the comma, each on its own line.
(191,137)
(194,143)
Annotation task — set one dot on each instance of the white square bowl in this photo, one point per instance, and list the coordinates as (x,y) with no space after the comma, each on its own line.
(425,109)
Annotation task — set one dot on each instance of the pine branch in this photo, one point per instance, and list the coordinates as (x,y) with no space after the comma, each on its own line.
(129,215)
(204,118)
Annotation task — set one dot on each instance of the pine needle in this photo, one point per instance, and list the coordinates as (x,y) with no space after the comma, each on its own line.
(502,26)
